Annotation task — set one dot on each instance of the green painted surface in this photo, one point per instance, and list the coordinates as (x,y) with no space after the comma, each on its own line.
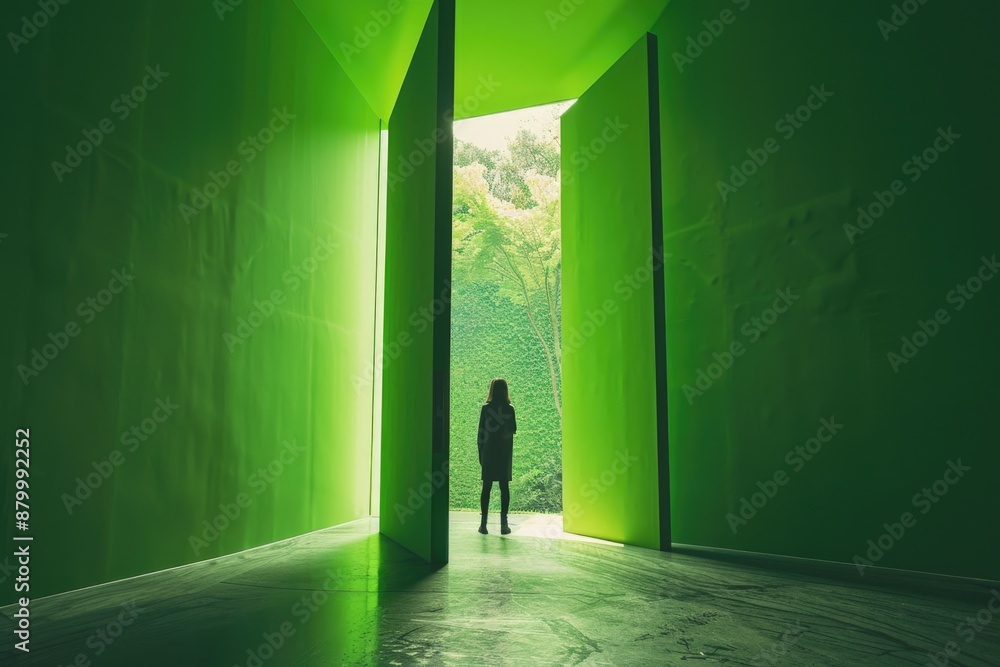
(508,55)
(416,334)
(827,356)
(540,52)
(177,333)
(610,487)
(373,40)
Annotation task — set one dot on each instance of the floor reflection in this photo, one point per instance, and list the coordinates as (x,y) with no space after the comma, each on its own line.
(349,596)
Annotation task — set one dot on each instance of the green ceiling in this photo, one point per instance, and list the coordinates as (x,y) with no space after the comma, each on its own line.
(534,51)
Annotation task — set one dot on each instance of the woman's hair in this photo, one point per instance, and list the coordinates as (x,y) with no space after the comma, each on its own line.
(498,391)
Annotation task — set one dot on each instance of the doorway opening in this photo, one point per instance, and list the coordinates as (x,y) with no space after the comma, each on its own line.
(506,298)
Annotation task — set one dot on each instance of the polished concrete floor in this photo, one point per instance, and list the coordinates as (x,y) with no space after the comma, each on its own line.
(348,596)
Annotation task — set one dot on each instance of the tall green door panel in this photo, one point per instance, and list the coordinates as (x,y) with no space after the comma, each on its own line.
(417,324)
(614,373)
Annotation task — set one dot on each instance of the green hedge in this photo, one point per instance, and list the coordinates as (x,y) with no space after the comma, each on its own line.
(491,337)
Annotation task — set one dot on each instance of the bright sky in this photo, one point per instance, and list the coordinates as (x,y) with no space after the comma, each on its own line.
(491,132)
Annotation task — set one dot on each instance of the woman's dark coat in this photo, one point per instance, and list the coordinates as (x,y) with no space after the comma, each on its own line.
(497,426)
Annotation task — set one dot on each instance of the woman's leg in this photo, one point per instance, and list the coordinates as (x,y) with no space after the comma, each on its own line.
(504,498)
(504,506)
(484,504)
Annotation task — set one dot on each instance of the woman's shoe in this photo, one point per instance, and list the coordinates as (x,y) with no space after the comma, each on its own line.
(482,527)
(504,528)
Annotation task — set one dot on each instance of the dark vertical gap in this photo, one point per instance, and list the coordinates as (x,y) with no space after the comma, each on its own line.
(442,279)
(659,296)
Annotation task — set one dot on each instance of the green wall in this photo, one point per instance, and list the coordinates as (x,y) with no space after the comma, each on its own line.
(373,40)
(853,296)
(291,236)
(534,53)
(413,505)
(610,420)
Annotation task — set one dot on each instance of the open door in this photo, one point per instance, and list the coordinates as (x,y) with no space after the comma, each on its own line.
(413,495)
(615,466)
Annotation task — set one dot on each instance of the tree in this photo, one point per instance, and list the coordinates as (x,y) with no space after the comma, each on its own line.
(515,238)
(506,170)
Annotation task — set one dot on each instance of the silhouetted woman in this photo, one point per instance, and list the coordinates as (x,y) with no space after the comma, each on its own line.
(497,427)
